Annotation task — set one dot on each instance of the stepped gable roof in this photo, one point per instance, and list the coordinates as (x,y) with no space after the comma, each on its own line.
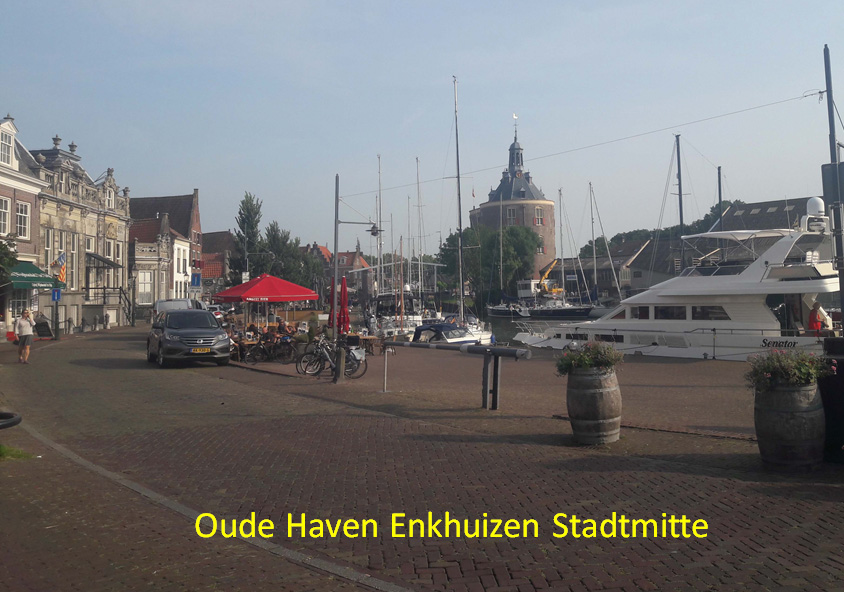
(765,215)
(145,231)
(213,265)
(219,242)
(179,208)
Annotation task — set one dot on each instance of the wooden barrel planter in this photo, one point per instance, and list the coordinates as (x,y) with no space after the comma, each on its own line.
(790,426)
(593,399)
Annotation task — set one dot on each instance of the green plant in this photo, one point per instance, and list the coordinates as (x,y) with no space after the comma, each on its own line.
(9,452)
(786,368)
(591,355)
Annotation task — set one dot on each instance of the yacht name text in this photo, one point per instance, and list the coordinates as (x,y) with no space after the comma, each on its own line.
(772,343)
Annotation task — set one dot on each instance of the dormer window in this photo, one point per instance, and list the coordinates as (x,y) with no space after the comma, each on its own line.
(6,148)
(110,199)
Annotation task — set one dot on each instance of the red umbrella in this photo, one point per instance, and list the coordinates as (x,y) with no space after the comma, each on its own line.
(343,316)
(266,288)
(331,300)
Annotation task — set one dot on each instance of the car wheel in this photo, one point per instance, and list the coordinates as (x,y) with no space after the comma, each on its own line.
(224,362)
(150,355)
(161,360)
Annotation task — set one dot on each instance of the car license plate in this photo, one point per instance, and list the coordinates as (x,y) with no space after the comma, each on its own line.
(200,350)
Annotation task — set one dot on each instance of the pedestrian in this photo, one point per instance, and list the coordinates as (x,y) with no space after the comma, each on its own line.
(818,319)
(23,331)
(105,321)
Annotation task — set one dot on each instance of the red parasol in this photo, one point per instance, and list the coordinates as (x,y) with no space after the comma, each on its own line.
(343,316)
(266,288)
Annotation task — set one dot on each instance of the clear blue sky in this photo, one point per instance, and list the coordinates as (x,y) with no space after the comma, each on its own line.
(277,97)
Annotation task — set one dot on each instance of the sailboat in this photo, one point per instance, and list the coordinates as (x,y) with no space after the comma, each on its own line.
(478,331)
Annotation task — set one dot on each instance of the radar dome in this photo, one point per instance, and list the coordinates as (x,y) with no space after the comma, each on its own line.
(815,207)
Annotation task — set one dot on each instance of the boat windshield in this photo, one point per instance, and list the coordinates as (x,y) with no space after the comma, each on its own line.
(707,269)
(811,248)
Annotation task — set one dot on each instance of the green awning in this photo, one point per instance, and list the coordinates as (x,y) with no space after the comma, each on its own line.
(26,276)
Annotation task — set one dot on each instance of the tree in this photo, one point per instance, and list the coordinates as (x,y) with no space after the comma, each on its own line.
(482,255)
(288,261)
(8,258)
(249,240)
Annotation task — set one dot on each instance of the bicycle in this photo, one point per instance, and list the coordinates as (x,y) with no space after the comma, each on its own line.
(269,348)
(314,362)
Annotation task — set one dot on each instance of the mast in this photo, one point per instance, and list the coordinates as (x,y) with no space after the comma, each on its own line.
(594,249)
(380,274)
(562,250)
(680,196)
(459,209)
(720,216)
(836,207)
(419,223)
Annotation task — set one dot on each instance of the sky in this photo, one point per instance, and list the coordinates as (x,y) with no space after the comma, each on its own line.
(275,98)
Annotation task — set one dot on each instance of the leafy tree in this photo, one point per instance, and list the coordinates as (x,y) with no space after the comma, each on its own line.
(248,235)
(482,255)
(8,258)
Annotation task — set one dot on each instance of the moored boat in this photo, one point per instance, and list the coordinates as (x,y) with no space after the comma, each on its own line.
(759,297)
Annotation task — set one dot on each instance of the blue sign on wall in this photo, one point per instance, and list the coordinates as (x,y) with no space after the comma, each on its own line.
(57,294)
(196,280)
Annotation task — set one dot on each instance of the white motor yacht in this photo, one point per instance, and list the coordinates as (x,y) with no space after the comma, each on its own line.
(759,297)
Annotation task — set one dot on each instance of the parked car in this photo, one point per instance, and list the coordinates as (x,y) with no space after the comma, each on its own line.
(187,334)
(175,304)
(218,311)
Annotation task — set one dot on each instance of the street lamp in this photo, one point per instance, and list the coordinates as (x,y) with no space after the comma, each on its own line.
(134,274)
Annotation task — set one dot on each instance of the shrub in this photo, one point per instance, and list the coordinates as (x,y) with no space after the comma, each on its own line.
(595,355)
(786,368)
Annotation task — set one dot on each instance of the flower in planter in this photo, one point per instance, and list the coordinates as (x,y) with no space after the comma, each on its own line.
(592,355)
(786,368)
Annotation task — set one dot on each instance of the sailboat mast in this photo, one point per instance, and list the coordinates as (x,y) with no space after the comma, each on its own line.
(594,246)
(680,196)
(720,216)
(562,245)
(380,274)
(836,206)
(459,209)
(419,224)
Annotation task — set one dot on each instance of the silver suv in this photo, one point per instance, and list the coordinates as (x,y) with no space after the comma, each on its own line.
(187,335)
(175,304)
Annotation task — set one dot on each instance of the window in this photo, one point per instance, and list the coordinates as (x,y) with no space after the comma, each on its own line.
(6,148)
(89,244)
(540,249)
(22,220)
(110,198)
(640,312)
(671,313)
(72,261)
(109,272)
(511,216)
(709,313)
(4,215)
(48,246)
(144,287)
(62,241)
(538,217)
(19,302)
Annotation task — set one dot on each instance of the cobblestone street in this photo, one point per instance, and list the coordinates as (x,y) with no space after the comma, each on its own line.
(156,447)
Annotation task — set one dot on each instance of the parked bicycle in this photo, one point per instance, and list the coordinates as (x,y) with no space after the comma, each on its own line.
(314,362)
(272,349)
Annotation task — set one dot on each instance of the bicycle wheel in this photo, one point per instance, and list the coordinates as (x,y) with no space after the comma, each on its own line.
(285,353)
(359,371)
(312,364)
(255,354)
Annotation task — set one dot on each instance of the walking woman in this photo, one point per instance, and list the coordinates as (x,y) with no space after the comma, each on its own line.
(23,331)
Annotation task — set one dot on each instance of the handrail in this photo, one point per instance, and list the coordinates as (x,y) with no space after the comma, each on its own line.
(467,348)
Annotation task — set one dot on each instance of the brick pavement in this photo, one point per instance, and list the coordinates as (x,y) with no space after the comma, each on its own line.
(288,444)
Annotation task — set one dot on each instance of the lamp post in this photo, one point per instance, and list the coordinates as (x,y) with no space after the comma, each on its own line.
(134,274)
